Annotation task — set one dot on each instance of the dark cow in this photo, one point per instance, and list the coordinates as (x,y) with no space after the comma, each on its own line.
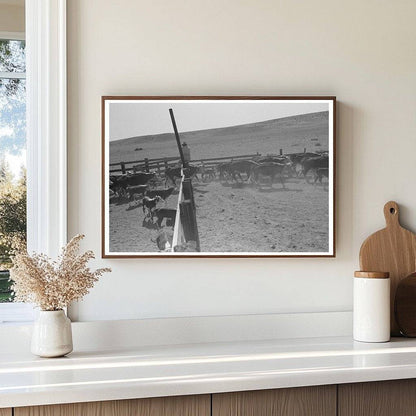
(121,182)
(281,160)
(176,172)
(222,169)
(163,193)
(235,169)
(270,170)
(321,173)
(313,163)
(139,178)
(149,204)
(297,158)
(162,213)
(113,184)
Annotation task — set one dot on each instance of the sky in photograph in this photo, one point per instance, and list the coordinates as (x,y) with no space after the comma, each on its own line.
(130,119)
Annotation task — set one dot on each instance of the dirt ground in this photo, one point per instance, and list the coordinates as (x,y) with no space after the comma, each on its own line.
(238,218)
(128,230)
(235,219)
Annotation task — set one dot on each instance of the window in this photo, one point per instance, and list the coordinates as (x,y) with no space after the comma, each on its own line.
(45,90)
(12,153)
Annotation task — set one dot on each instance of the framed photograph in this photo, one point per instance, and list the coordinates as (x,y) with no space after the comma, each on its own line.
(218,176)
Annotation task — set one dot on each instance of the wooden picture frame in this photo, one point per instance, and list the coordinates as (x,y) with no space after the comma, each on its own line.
(255,178)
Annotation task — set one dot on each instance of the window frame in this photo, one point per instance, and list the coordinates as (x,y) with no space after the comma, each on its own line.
(12,35)
(46,137)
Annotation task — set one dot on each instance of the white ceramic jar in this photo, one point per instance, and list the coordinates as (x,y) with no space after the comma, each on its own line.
(52,334)
(371,305)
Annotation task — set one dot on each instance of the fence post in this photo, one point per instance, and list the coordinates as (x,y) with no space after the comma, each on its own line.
(178,139)
(281,152)
(146,165)
(123,167)
(166,164)
(304,150)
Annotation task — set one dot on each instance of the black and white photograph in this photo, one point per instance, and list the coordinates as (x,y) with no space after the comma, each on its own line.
(218,176)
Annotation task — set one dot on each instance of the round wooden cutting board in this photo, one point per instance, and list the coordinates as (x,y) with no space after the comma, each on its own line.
(393,250)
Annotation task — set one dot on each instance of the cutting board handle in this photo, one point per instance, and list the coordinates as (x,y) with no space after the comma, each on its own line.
(391,214)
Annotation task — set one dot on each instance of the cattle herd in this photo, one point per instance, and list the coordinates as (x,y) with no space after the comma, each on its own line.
(151,190)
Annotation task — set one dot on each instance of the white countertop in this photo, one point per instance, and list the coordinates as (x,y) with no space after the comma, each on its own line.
(93,375)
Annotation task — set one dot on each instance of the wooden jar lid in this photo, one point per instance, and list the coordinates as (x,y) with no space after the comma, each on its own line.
(372,275)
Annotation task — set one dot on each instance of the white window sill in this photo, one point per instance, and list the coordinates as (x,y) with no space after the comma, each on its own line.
(16,313)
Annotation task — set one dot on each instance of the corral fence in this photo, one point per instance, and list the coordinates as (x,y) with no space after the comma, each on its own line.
(161,164)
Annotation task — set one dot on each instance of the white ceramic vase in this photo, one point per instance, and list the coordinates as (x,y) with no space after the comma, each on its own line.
(52,334)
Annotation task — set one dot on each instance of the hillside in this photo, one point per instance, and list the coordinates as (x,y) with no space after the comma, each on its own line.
(291,134)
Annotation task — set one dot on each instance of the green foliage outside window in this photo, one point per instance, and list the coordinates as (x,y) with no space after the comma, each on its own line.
(12,145)
(12,223)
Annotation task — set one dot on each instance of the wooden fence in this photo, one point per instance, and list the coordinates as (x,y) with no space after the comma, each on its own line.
(161,164)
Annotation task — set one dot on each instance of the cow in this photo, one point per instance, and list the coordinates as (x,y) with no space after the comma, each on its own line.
(207,174)
(270,170)
(163,193)
(176,172)
(235,169)
(297,158)
(113,185)
(163,241)
(279,159)
(149,204)
(138,178)
(320,173)
(222,169)
(136,190)
(313,163)
(162,213)
(121,182)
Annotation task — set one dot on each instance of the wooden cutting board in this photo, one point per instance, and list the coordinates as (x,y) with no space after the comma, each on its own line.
(393,250)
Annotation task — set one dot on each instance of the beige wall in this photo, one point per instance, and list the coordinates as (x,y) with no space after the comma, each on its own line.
(12,18)
(361,51)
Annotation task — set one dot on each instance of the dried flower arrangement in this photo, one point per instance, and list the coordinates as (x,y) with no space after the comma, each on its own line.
(53,285)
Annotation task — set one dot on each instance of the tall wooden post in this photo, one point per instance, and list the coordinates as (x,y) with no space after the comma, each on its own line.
(178,140)
(146,165)
(123,167)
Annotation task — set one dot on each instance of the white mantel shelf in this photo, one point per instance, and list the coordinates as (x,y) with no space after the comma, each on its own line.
(152,371)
